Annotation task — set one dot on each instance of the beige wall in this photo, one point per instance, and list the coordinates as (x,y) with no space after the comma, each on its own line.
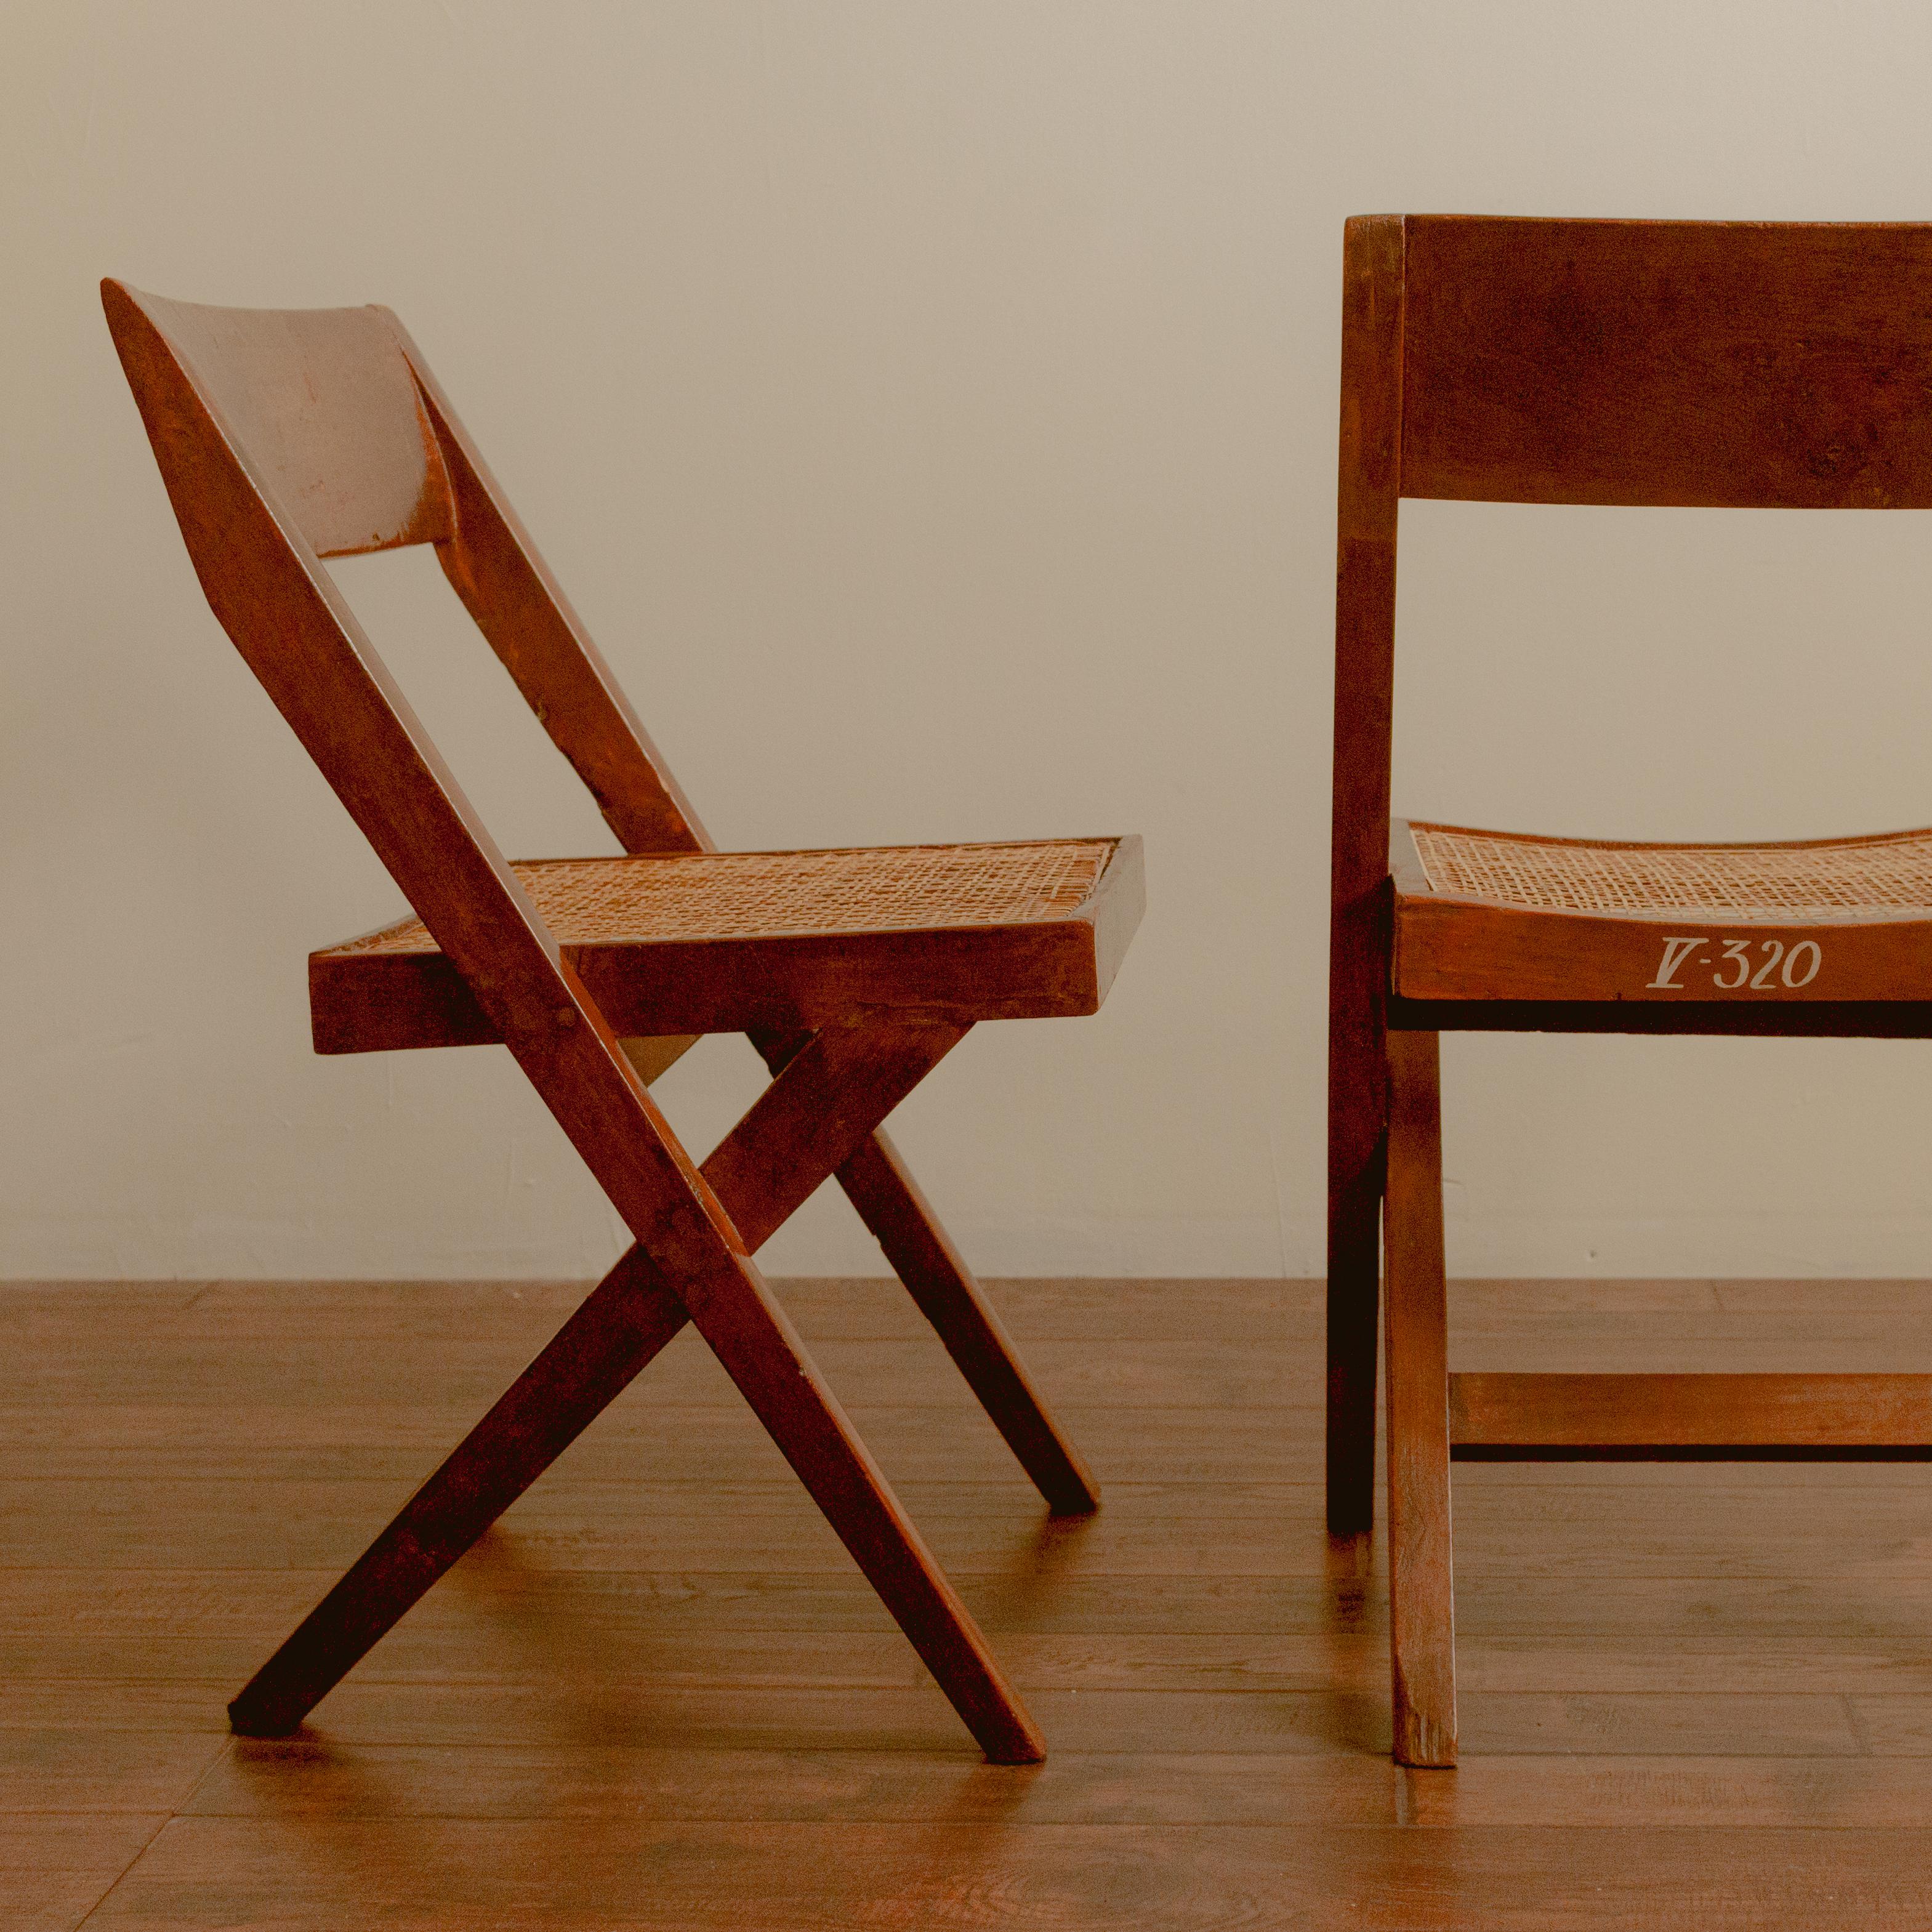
(930,408)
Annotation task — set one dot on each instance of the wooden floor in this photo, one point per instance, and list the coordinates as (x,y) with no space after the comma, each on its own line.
(660,1695)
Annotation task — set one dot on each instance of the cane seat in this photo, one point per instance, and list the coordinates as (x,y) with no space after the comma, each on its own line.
(695,942)
(1502,915)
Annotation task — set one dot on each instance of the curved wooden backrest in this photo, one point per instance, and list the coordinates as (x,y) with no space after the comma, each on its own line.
(272,433)
(1756,364)
(251,550)
(339,425)
(322,403)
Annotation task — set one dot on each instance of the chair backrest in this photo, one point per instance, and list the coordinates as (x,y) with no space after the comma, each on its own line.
(1751,364)
(335,420)
(321,403)
(286,436)
(1757,364)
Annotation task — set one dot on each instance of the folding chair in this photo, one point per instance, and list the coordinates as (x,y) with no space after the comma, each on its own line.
(285,437)
(1664,363)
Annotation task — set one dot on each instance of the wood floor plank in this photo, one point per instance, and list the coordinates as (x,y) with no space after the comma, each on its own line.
(541,1641)
(51,1901)
(324,1777)
(1894,1725)
(827,1312)
(1139,1374)
(1823,1296)
(1213,1448)
(1871,1532)
(76,1771)
(194,1606)
(590,1707)
(867,1307)
(77,1300)
(607,1873)
(55,1869)
(824,1309)
(632,1442)
(93,1840)
(302,1371)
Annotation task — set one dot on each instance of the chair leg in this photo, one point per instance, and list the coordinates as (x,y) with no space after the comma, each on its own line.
(1422,1618)
(1356,1080)
(626,1321)
(832,1095)
(881,1188)
(751,1337)
(890,1203)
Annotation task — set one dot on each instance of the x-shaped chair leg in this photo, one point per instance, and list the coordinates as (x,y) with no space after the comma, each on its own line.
(831,1094)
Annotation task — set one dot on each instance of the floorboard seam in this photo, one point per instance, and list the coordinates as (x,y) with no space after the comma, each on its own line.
(208,1771)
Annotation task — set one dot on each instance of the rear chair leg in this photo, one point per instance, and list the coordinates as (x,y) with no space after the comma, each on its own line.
(1422,1616)
(891,1205)
(881,1188)
(1354,1261)
(1355,1177)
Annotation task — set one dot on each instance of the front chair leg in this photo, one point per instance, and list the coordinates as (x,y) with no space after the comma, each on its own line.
(1422,1616)
(591,1360)
(761,1352)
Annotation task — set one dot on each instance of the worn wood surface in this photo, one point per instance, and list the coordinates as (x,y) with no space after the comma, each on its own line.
(1463,965)
(1365,553)
(1665,1412)
(1447,950)
(1755,365)
(1422,1604)
(1696,1696)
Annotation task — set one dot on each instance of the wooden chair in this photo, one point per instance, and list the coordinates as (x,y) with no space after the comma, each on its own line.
(285,437)
(1663,363)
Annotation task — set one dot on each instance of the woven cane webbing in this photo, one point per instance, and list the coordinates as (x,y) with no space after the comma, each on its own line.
(757,894)
(1750,882)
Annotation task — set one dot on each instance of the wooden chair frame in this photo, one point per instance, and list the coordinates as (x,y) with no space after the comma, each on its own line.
(285,437)
(1659,363)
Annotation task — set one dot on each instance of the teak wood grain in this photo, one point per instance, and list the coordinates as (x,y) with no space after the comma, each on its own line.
(1421,1595)
(1357,987)
(1852,1414)
(1734,364)
(283,438)
(1749,365)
